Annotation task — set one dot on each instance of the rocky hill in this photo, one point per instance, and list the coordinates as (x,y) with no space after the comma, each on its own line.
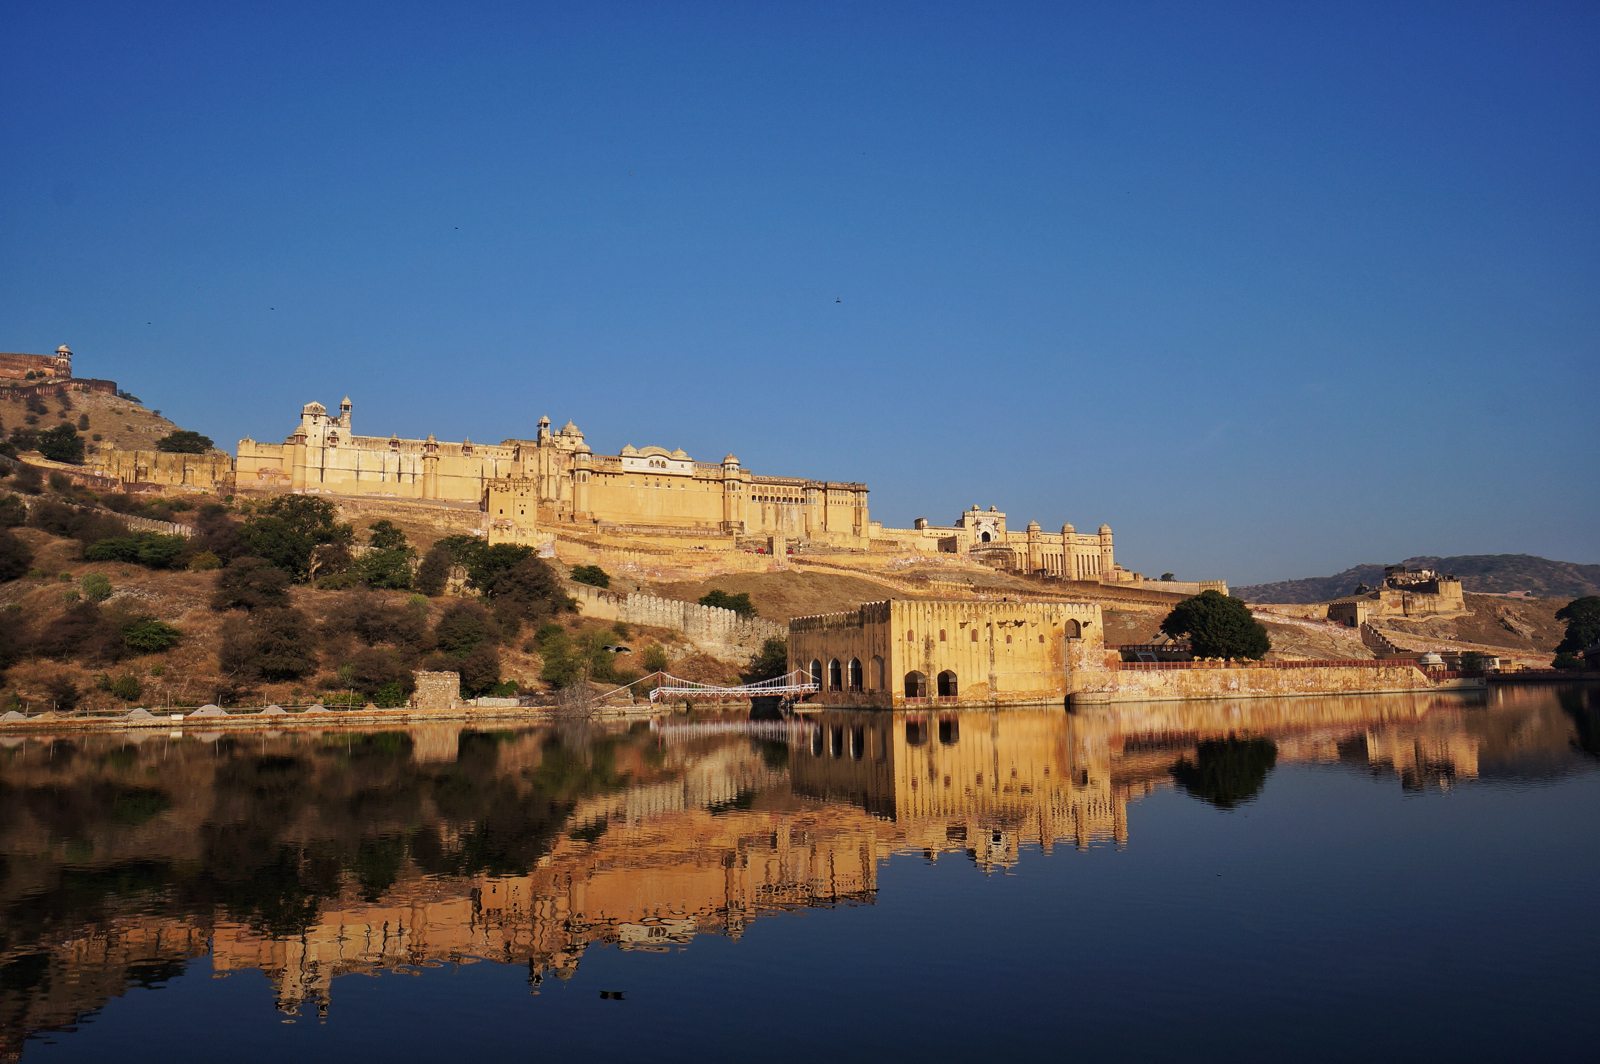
(103,419)
(1484,574)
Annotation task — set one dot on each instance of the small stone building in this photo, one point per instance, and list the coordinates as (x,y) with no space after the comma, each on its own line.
(902,652)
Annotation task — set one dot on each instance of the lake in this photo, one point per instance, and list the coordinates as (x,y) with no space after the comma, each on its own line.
(1321,878)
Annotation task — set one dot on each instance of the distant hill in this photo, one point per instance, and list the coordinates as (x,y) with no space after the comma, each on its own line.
(1480,573)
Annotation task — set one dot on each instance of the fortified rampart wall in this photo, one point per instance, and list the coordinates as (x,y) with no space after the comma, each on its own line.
(718,631)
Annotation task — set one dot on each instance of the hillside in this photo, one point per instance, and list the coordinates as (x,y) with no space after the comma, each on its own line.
(103,420)
(1484,574)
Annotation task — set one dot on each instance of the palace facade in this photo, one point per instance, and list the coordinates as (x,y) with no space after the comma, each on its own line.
(554,478)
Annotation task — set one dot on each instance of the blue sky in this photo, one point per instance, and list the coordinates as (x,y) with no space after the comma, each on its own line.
(1273,289)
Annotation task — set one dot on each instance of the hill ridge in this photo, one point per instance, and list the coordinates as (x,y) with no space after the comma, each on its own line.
(1479,573)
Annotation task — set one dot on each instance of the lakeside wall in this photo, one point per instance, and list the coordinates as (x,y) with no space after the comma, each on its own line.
(1272,680)
(721,632)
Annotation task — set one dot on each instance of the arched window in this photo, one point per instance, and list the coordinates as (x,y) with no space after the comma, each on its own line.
(835,675)
(1074,629)
(878,681)
(911,637)
(816,673)
(974,633)
(916,685)
(985,537)
(853,674)
(941,635)
(947,684)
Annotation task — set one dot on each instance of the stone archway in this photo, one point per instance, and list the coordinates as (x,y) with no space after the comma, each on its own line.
(916,685)
(948,687)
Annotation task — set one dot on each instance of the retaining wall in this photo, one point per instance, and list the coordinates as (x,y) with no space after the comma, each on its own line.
(1169,684)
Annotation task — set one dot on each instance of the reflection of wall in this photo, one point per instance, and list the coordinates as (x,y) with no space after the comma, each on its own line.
(983,782)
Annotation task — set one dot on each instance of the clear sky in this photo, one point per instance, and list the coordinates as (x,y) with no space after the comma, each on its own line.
(1271,288)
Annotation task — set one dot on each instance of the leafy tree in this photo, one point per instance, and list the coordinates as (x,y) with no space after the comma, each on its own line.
(61,444)
(183,441)
(250,583)
(1227,772)
(1583,624)
(1168,577)
(275,643)
(153,550)
(1218,626)
(526,591)
(381,669)
(463,628)
(289,531)
(479,670)
(592,575)
(771,661)
(434,572)
(654,658)
(389,558)
(16,557)
(739,603)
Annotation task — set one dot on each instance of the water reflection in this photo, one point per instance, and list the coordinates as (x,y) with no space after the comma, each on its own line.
(307,856)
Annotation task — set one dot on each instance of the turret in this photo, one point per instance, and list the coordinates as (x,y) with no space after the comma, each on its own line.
(1107,560)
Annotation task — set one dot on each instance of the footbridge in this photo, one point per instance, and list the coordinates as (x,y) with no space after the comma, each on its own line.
(664,685)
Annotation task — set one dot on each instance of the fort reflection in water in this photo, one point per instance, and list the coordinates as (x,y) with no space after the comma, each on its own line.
(310,856)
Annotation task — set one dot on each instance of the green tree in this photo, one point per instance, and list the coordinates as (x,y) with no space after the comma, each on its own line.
(289,531)
(61,444)
(739,603)
(434,572)
(770,662)
(183,441)
(592,575)
(389,558)
(1218,626)
(250,583)
(271,644)
(463,628)
(1583,624)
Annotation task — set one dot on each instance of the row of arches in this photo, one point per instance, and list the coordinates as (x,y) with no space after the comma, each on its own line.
(847,675)
(945,684)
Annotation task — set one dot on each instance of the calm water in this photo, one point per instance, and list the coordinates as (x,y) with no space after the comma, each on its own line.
(1319,878)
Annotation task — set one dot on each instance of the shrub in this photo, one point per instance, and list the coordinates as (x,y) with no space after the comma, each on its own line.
(654,658)
(12,512)
(590,574)
(96,587)
(204,562)
(29,481)
(251,583)
(16,557)
(146,635)
(376,669)
(739,603)
(153,550)
(63,692)
(83,426)
(126,687)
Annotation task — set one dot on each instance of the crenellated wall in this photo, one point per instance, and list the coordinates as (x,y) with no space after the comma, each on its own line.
(722,633)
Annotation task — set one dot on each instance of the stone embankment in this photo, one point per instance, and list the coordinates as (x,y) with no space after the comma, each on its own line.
(1158,682)
(720,633)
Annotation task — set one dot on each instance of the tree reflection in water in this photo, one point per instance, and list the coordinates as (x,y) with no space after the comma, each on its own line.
(1227,772)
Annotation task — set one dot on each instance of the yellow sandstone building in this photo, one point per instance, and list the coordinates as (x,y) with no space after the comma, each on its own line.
(554,478)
